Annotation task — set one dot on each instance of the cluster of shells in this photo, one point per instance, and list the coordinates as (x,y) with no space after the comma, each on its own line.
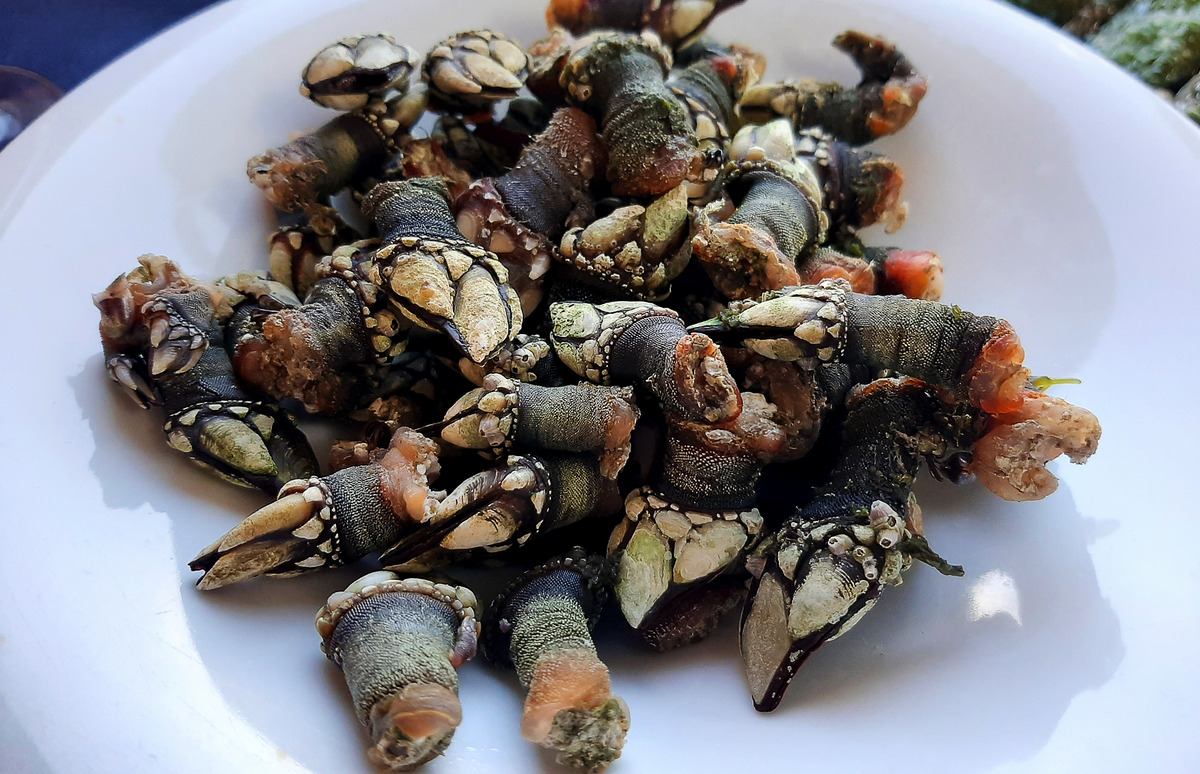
(600,309)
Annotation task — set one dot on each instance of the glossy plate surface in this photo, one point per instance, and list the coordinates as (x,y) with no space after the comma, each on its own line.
(1061,194)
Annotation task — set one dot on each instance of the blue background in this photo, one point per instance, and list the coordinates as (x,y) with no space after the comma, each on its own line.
(68,40)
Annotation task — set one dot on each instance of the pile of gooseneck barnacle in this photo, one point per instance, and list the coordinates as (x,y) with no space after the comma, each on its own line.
(615,314)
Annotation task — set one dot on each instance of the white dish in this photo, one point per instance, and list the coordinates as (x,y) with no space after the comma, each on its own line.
(1061,194)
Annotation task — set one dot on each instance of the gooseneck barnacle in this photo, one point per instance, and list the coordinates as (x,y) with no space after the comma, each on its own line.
(520,215)
(328,521)
(164,342)
(399,643)
(882,103)
(541,624)
(620,78)
(826,565)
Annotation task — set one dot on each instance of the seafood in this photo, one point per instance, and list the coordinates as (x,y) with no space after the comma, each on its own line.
(503,507)
(542,624)
(306,172)
(789,192)
(579,417)
(635,251)
(709,81)
(695,522)
(328,521)
(640,343)
(632,314)
(399,643)
(882,103)
(164,344)
(977,357)
(620,78)
(347,74)
(423,274)
(675,21)
(471,70)
(520,215)
(826,566)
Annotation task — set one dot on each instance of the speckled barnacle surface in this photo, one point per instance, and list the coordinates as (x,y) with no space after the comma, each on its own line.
(619,287)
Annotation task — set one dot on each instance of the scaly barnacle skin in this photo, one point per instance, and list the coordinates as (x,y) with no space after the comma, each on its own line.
(620,78)
(884,101)
(826,566)
(637,343)
(345,75)
(780,213)
(694,523)
(471,70)
(163,342)
(789,192)
(329,521)
(978,358)
(399,643)
(504,414)
(677,22)
(305,172)
(541,624)
(504,507)
(522,214)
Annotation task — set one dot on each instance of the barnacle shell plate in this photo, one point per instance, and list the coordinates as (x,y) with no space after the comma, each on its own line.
(1070,639)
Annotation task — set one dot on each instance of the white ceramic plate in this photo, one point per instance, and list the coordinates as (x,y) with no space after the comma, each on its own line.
(1061,194)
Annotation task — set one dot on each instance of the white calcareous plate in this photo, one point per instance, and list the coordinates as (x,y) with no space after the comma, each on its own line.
(1060,193)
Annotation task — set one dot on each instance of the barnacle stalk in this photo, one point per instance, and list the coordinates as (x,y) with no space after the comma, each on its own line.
(677,22)
(399,643)
(311,353)
(541,624)
(882,103)
(329,521)
(469,71)
(619,77)
(305,172)
(163,341)
(503,507)
(692,525)
(522,214)
(827,565)
(637,343)
(1010,459)
(345,75)
(979,358)
(779,214)
(504,414)
(876,270)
